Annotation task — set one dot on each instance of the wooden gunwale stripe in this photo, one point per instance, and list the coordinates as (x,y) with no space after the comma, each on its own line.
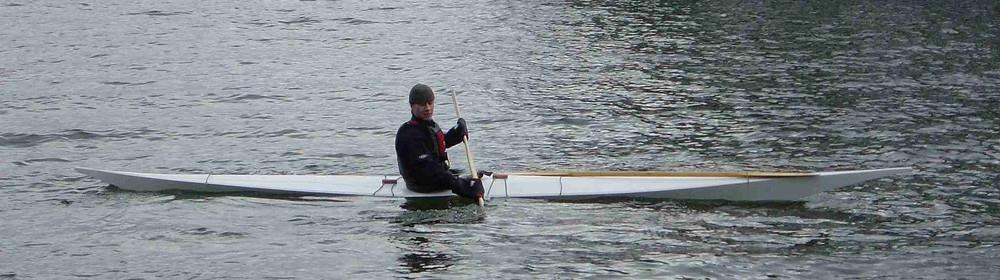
(747,174)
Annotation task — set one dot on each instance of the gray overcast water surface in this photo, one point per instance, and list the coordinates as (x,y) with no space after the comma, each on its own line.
(319,87)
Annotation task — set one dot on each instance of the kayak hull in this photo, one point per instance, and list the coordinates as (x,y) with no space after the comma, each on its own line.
(724,186)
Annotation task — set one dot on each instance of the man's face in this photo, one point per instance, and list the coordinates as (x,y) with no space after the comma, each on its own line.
(423,111)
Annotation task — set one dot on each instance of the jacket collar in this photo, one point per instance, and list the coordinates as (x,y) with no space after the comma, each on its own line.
(416,120)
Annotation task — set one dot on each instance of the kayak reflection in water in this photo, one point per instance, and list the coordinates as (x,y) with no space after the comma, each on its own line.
(420,150)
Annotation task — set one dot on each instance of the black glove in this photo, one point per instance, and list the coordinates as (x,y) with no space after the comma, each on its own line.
(462,127)
(482,173)
(469,188)
(477,186)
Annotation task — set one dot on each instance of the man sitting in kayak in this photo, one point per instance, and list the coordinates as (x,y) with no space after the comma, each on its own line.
(420,150)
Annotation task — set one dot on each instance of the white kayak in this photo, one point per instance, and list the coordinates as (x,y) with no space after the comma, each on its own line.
(735,186)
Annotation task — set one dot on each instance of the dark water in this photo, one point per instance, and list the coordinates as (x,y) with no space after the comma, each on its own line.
(318,87)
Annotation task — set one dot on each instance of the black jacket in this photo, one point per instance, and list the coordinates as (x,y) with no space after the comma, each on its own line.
(423,163)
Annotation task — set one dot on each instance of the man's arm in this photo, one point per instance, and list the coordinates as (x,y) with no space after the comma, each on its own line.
(456,134)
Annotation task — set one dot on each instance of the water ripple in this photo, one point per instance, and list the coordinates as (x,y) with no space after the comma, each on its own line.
(158,13)
(23,140)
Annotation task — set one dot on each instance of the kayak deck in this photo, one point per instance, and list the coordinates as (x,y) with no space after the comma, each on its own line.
(736,186)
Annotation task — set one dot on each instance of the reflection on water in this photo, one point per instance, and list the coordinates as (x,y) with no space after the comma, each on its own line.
(418,240)
(418,204)
(420,259)
(430,211)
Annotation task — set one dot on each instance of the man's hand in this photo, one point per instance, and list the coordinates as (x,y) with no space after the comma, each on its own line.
(469,188)
(477,187)
(462,127)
